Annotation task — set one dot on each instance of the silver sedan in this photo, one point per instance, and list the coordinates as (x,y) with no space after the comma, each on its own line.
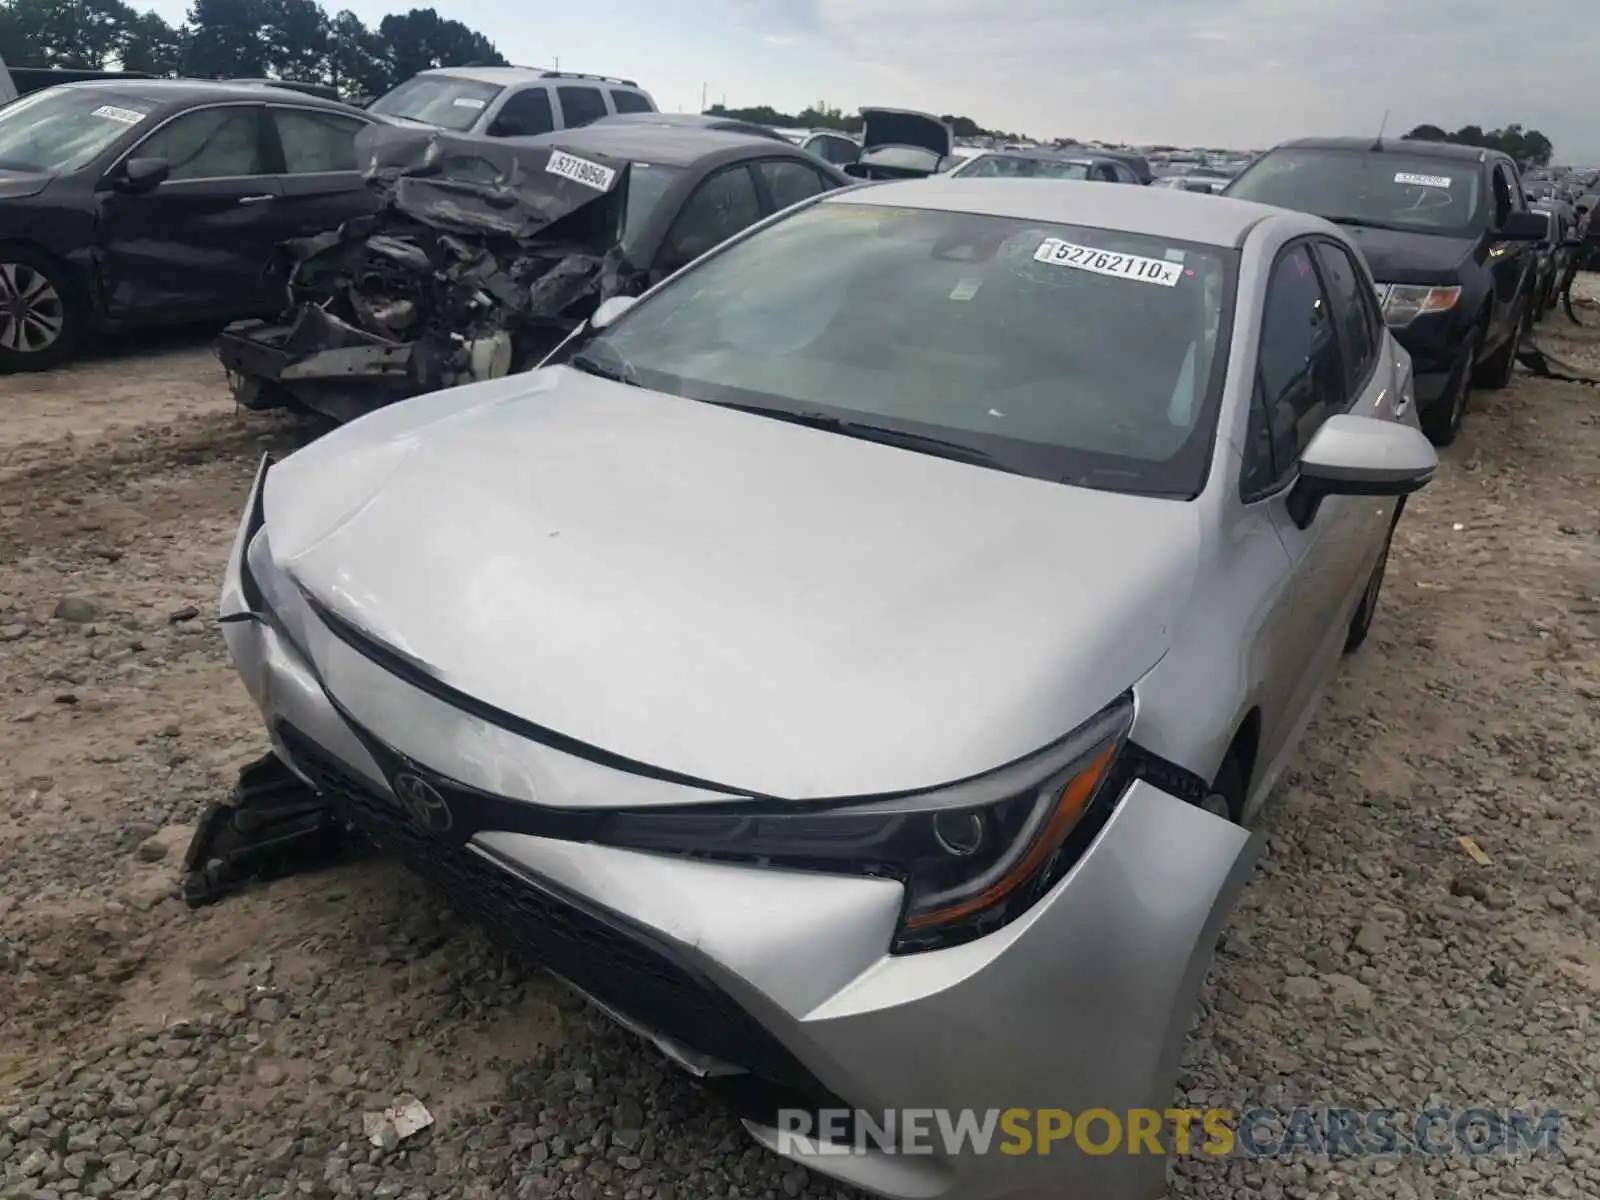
(856,665)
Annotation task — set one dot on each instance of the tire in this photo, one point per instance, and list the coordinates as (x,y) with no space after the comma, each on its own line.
(1495,373)
(1361,623)
(1227,794)
(40,314)
(1442,420)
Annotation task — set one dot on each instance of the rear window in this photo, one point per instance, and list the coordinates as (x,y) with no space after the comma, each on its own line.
(1071,354)
(64,128)
(1000,166)
(1388,189)
(580,105)
(447,101)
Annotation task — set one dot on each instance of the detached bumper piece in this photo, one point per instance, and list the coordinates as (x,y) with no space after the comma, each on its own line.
(272,825)
(479,259)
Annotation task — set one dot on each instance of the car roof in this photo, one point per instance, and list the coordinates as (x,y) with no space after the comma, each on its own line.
(1210,220)
(669,145)
(510,75)
(1404,146)
(177,91)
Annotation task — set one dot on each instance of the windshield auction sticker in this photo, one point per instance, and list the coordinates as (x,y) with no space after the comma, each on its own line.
(1438,181)
(471,102)
(111,112)
(1104,262)
(581,170)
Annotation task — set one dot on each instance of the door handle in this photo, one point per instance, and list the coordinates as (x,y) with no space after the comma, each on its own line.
(266,198)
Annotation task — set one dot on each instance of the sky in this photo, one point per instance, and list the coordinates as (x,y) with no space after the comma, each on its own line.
(1222,73)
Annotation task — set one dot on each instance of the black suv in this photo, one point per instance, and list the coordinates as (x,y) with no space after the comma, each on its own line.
(1451,243)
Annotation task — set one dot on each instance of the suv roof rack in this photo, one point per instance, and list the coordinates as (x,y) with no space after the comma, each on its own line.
(545,73)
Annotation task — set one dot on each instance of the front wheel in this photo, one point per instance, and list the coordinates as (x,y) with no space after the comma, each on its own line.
(1361,623)
(38,317)
(1441,421)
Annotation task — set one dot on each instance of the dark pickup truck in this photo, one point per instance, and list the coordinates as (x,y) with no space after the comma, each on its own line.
(1451,243)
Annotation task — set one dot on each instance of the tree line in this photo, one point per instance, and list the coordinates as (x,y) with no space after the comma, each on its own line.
(240,39)
(1528,147)
(825,116)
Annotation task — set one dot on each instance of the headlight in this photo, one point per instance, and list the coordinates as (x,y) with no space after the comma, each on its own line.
(972,855)
(1404,303)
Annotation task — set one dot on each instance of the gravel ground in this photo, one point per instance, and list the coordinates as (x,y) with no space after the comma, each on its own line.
(149,1051)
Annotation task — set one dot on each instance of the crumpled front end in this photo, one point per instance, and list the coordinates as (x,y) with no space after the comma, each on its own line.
(483,255)
(781,988)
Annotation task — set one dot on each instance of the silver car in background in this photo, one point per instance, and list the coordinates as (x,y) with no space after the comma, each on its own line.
(855,666)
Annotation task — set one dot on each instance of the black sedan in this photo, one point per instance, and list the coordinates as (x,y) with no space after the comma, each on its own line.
(145,202)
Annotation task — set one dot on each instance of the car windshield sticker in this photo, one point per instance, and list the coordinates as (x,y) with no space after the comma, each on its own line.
(966,289)
(468,102)
(125,115)
(1059,253)
(1438,181)
(581,170)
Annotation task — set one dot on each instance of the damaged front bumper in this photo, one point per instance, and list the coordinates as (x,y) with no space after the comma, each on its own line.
(775,985)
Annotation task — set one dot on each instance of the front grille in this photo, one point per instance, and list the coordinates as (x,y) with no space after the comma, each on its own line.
(620,966)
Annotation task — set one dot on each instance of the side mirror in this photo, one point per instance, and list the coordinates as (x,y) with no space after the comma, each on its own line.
(143,174)
(856,170)
(1523,227)
(1360,456)
(610,310)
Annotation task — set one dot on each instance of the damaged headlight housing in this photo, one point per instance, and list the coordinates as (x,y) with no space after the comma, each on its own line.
(1403,303)
(972,856)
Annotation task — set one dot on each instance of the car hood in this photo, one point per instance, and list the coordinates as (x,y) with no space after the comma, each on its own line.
(902,127)
(19,185)
(776,609)
(1412,257)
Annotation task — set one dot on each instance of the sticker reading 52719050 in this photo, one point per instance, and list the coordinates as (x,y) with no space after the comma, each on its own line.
(581,170)
(1105,262)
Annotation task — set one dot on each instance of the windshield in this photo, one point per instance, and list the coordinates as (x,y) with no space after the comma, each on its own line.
(63,128)
(1071,354)
(1002,166)
(647,183)
(1387,188)
(447,101)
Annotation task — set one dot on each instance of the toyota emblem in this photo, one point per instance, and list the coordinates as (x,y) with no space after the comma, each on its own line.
(422,802)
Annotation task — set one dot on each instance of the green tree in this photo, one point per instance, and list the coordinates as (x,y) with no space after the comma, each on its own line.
(150,45)
(1427,133)
(417,40)
(1528,147)
(85,34)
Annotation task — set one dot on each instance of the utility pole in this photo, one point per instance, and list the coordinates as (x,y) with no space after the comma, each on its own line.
(704,89)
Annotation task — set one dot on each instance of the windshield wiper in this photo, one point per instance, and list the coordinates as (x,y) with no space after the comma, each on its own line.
(593,366)
(866,432)
(1363,223)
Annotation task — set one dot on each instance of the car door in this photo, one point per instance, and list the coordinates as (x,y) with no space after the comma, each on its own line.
(1299,383)
(199,243)
(314,150)
(725,202)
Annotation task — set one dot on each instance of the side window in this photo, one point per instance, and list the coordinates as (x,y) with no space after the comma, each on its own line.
(209,143)
(722,206)
(1519,200)
(788,182)
(316,141)
(580,105)
(1359,333)
(629,102)
(839,151)
(1103,173)
(1502,196)
(1300,374)
(527,113)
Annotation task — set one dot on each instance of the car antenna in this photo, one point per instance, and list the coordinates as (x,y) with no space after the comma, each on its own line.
(1377,142)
